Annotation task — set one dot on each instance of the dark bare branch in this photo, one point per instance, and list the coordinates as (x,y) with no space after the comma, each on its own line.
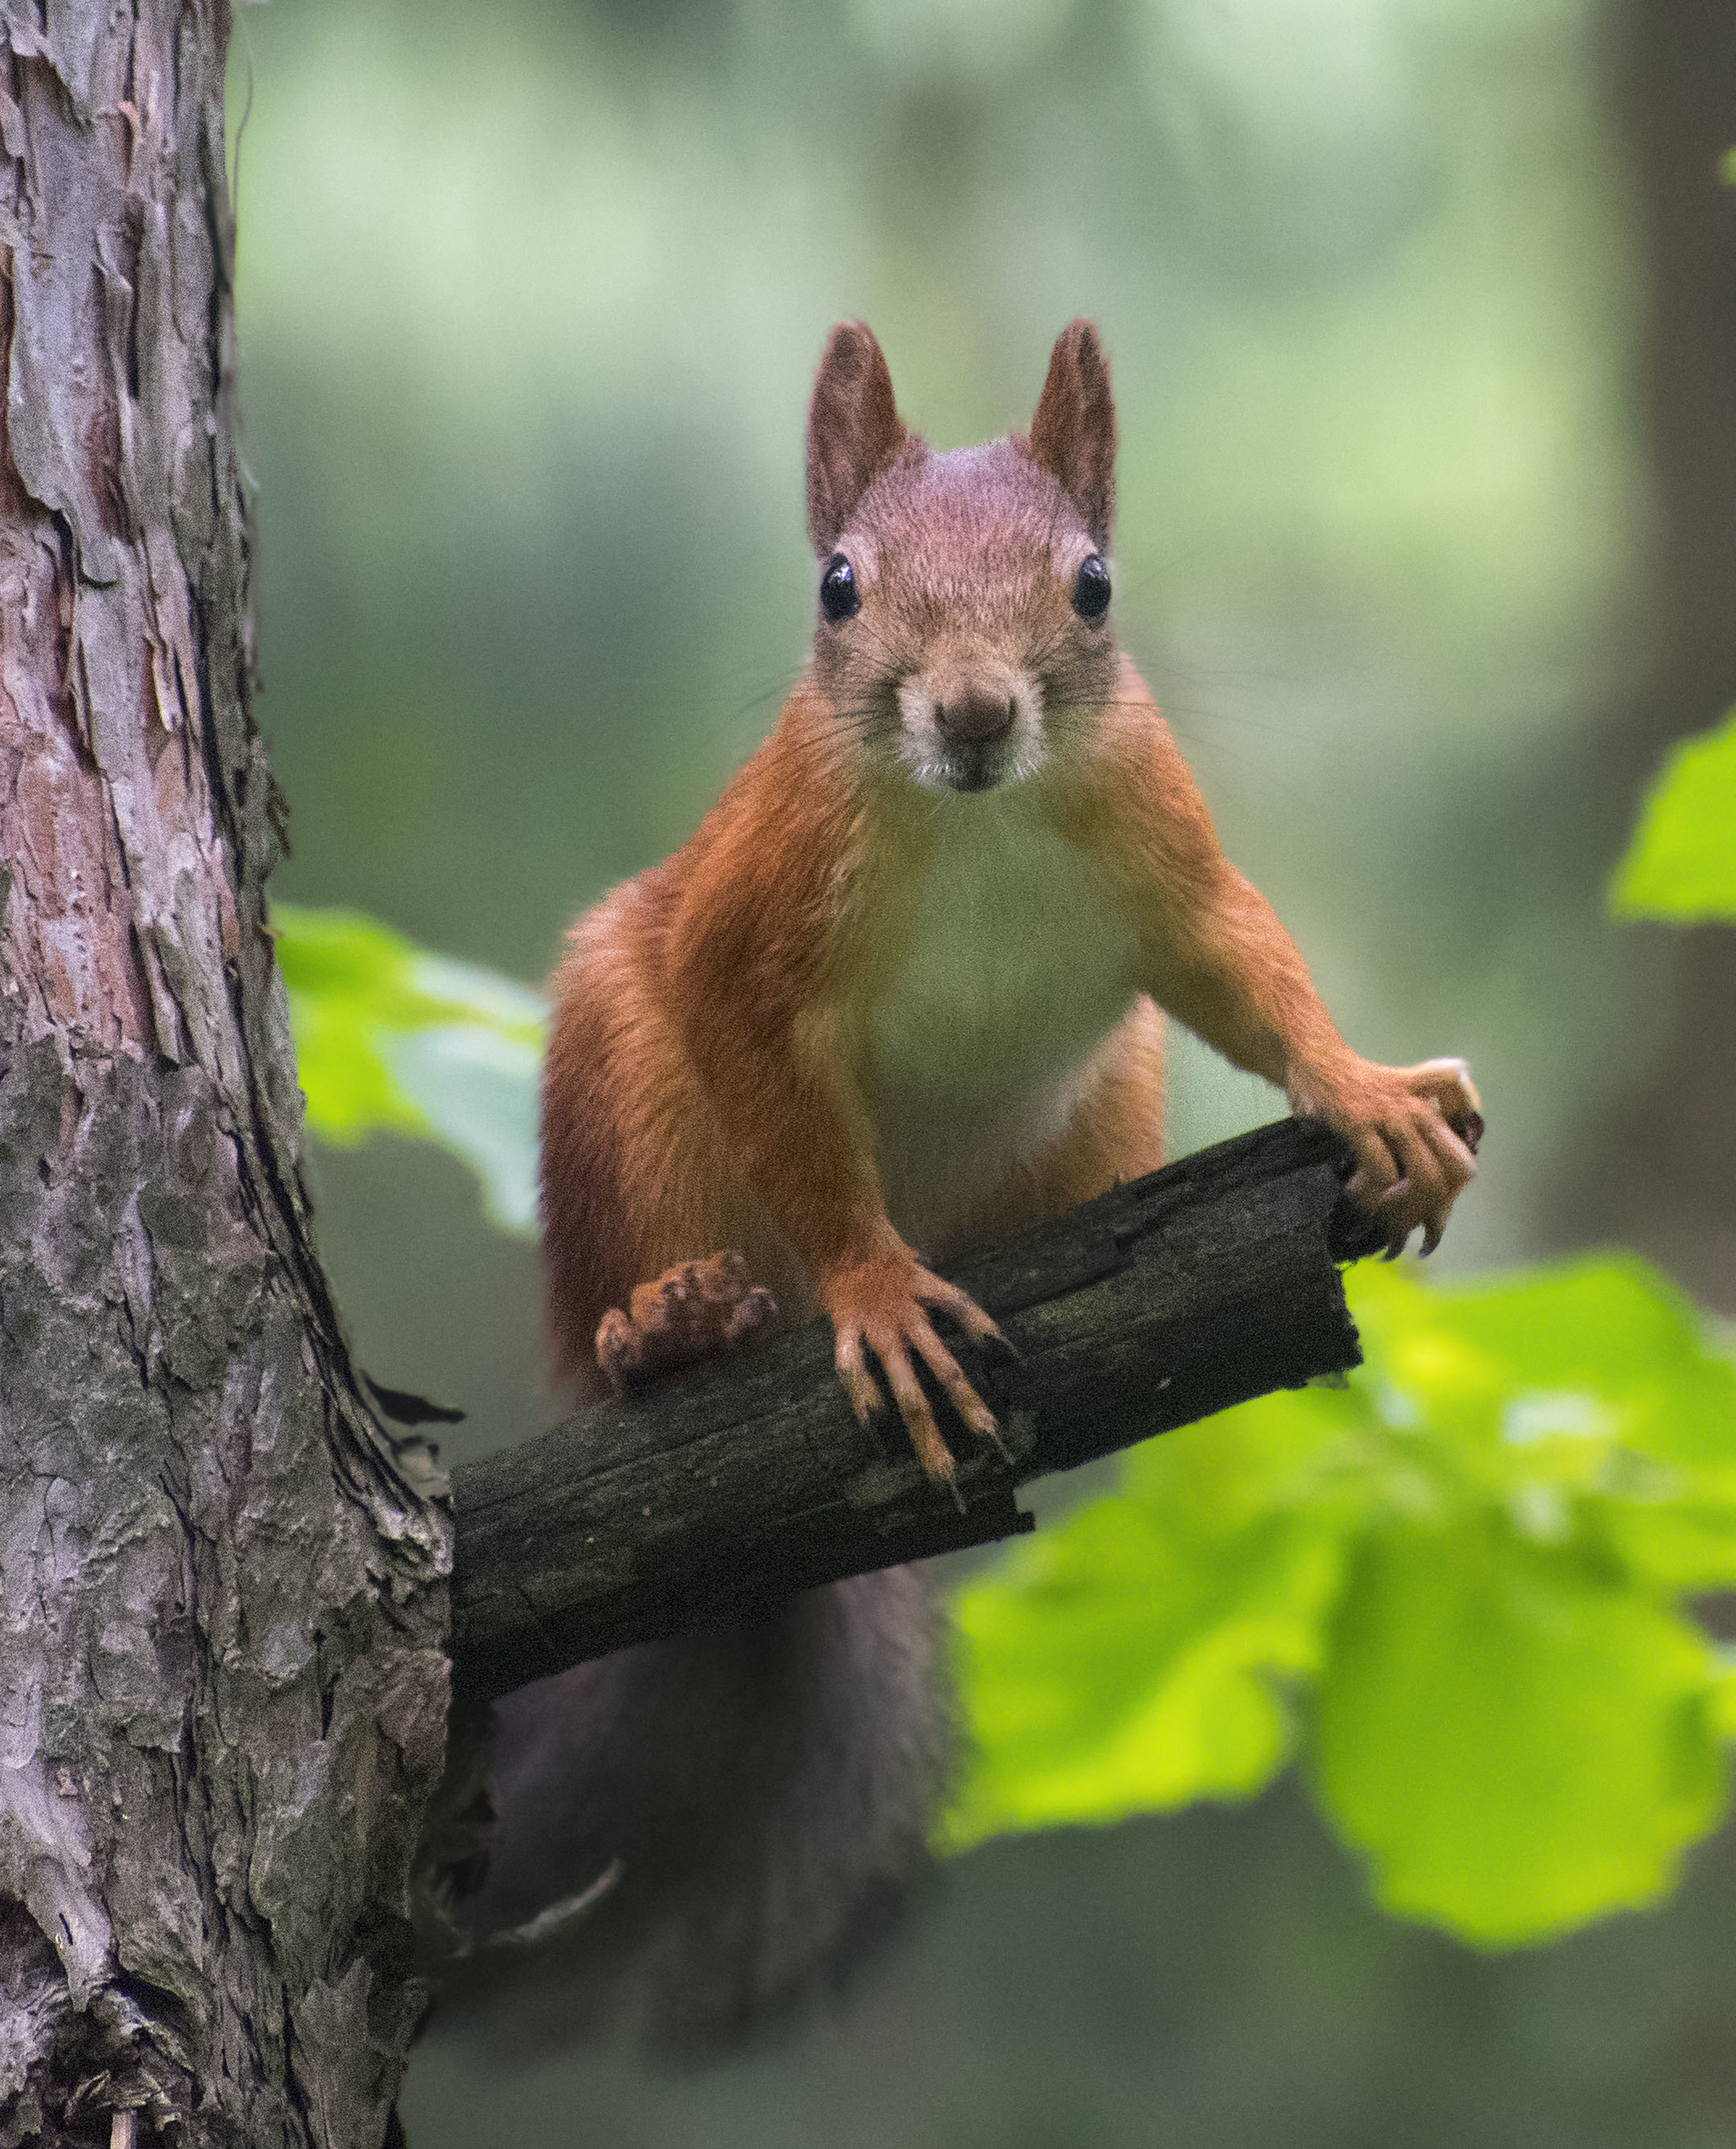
(1206,1284)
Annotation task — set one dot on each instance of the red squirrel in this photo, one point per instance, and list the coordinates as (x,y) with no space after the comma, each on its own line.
(900,990)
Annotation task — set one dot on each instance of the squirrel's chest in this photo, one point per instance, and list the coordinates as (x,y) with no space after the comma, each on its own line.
(999,965)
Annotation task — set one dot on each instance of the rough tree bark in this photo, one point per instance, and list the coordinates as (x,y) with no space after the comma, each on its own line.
(222,1684)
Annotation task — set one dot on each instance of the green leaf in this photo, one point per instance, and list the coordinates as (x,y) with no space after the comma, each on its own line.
(1137,1657)
(1586,1402)
(1129,1669)
(1518,1741)
(1464,1570)
(389,1036)
(1681,864)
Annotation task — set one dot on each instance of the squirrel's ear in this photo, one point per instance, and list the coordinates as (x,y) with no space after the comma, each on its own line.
(854,429)
(1073,433)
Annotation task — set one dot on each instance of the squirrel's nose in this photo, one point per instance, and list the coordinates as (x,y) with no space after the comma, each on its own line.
(973,718)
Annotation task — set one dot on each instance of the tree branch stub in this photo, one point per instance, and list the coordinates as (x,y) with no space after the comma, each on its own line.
(1206,1284)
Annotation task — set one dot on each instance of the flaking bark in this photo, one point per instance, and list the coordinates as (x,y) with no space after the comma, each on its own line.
(222,1684)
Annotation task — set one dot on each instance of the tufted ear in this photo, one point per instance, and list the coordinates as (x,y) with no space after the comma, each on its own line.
(1073,433)
(854,429)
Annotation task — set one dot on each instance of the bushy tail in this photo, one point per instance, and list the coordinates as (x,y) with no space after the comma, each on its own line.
(743,1802)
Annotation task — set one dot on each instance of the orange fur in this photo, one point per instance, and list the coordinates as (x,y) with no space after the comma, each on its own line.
(898,988)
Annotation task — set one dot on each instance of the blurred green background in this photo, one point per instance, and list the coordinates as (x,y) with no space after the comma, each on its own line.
(1422,317)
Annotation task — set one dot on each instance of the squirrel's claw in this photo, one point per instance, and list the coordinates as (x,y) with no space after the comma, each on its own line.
(1414,1132)
(693,1311)
(878,1307)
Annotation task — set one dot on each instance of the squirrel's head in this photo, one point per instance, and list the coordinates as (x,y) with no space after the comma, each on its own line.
(964,633)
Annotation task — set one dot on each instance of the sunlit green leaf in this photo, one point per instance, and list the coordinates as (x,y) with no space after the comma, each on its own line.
(389,1037)
(1138,1657)
(1681,862)
(1132,1662)
(1516,1739)
(1471,1558)
(1723,1698)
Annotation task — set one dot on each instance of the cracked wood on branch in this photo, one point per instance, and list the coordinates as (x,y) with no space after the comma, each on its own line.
(1202,1285)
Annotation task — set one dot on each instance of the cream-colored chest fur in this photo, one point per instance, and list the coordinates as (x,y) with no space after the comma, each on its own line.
(1001,967)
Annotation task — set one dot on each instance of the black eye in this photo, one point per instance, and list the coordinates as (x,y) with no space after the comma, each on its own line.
(839,596)
(1091,588)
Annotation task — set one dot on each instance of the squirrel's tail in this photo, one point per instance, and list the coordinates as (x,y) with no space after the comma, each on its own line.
(723,1813)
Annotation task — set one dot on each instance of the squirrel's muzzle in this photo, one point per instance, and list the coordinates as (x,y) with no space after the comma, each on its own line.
(970,725)
(975,719)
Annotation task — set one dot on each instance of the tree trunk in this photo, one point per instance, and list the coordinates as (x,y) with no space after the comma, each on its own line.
(1662,1175)
(222,1604)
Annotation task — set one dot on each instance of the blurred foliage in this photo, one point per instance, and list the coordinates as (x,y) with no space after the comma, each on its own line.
(1681,865)
(391,1039)
(529,299)
(1457,1583)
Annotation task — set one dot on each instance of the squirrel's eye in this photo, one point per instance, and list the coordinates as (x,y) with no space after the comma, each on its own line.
(1091,588)
(839,596)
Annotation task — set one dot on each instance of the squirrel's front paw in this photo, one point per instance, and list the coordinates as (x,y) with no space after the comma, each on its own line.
(877,1306)
(1414,1132)
(693,1311)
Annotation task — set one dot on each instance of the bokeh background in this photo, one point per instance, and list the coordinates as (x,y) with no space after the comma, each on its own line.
(1423,320)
